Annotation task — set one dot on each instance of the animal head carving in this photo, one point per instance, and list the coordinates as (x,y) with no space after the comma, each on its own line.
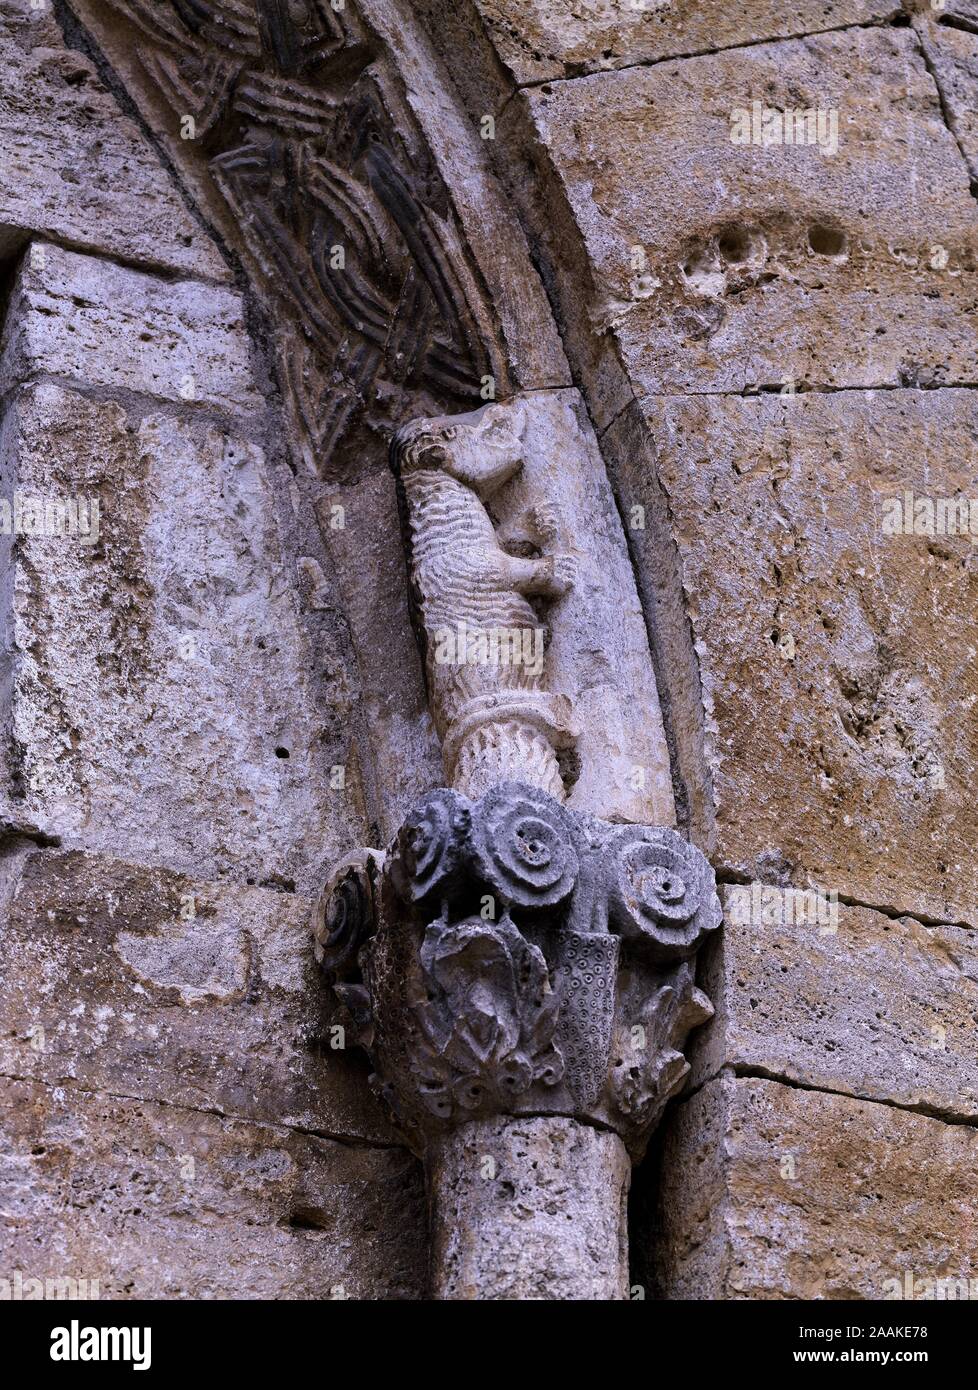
(482,449)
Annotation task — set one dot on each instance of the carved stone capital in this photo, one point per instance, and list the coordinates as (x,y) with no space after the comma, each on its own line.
(509,956)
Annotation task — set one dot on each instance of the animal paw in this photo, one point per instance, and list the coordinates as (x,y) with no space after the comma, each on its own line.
(562,574)
(546,521)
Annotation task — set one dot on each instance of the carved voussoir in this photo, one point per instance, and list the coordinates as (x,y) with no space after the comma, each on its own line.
(514,957)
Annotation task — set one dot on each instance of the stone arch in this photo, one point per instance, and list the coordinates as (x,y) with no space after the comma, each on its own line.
(396,280)
(297,131)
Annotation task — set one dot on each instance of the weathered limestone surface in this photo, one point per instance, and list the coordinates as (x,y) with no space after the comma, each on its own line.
(74,167)
(544,40)
(360,520)
(950,40)
(175,696)
(158,1201)
(516,43)
(173,646)
(630,455)
(780,261)
(529,1209)
(774,1192)
(168,657)
(169,714)
(105,325)
(837,661)
(138,982)
(881,1008)
(162,702)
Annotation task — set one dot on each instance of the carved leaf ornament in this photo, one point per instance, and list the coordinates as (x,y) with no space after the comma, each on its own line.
(514,948)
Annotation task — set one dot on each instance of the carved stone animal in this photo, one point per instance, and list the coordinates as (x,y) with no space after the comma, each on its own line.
(484,639)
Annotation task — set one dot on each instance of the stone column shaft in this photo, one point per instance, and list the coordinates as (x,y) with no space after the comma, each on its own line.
(527,1208)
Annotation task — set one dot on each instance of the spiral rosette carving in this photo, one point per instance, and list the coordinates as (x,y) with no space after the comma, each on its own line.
(429,854)
(488,1017)
(345,914)
(661,891)
(522,847)
(527,959)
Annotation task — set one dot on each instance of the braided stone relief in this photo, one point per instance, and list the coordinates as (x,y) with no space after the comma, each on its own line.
(508,955)
(303,123)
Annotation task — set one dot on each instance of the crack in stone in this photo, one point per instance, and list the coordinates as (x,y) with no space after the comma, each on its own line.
(950,1117)
(896,18)
(734,878)
(137,405)
(949,119)
(20,831)
(754,1071)
(21,836)
(338,1137)
(760,392)
(170,275)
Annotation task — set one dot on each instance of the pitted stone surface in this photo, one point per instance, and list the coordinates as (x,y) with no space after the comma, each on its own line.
(104,325)
(168,657)
(544,40)
(529,1209)
(143,983)
(949,36)
(843,999)
(774,1192)
(779,261)
(836,660)
(371,575)
(76,168)
(158,1201)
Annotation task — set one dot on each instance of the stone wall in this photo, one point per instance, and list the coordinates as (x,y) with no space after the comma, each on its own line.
(221,694)
(774,341)
(177,697)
